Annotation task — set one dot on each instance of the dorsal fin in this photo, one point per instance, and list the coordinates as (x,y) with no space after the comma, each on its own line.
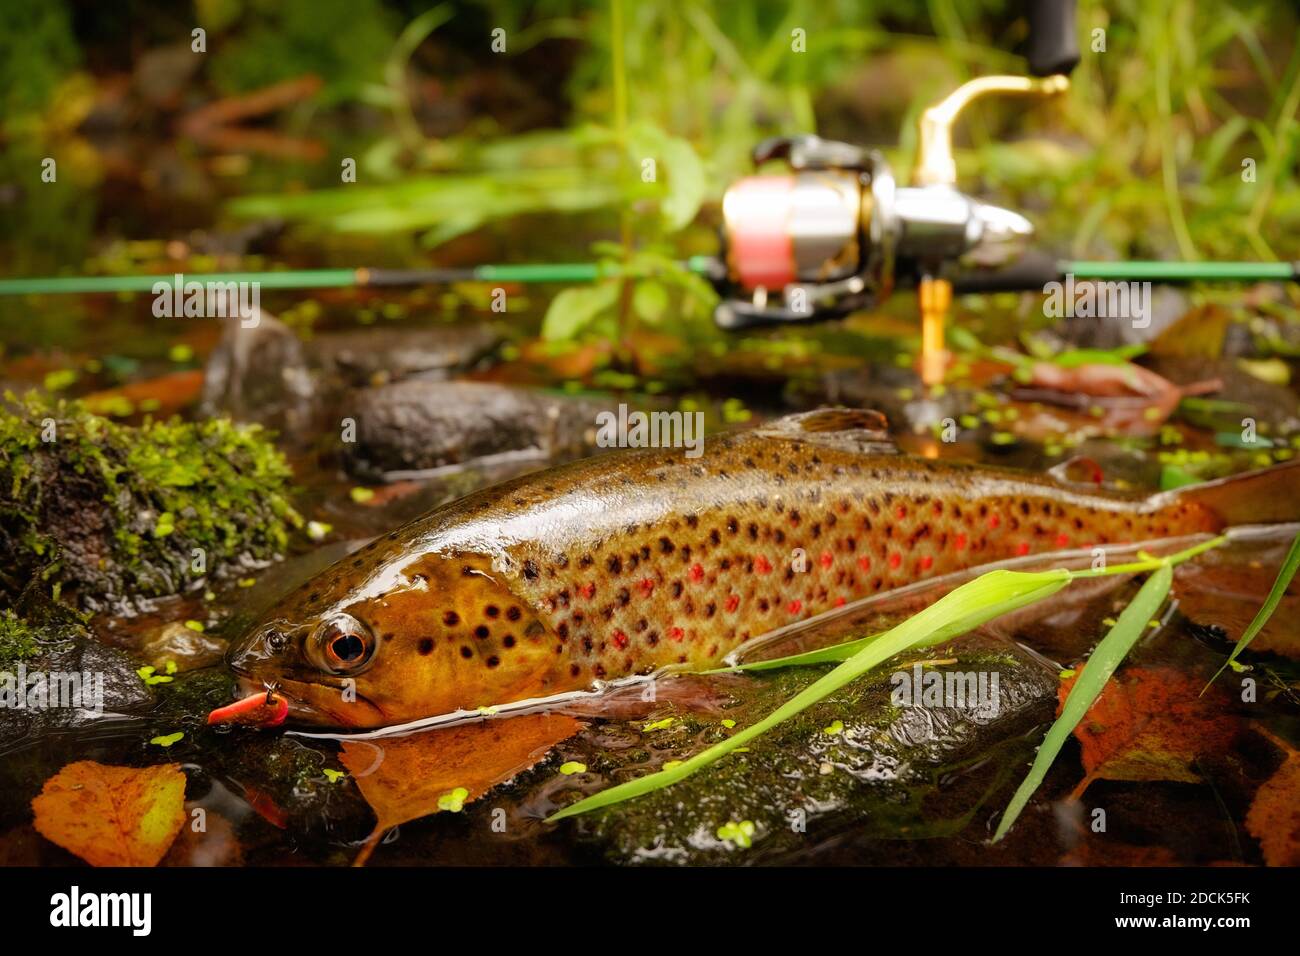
(860,429)
(1079,470)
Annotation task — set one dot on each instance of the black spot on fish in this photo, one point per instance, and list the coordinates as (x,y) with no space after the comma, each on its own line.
(481,632)
(451,618)
(465,651)
(530,570)
(513,613)
(493,661)
(491,610)
(425,647)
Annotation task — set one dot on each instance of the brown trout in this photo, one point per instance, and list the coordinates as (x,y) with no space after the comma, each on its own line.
(629,561)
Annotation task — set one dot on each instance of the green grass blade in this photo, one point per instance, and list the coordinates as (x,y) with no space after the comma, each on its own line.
(1114,647)
(1283,581)
(993,593)
(842,652)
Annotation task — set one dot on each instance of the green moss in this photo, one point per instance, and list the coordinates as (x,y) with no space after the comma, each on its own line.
(115,513)
(17,641)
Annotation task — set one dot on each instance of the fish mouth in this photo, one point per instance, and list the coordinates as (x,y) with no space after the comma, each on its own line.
(315,703)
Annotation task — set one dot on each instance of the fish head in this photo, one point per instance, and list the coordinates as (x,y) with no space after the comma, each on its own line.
(386,636)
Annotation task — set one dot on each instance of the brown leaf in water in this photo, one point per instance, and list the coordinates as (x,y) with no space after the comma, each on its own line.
(1274,815)
(173,392)
(112,816)
(1149,723)
(1106,399)
(404,778)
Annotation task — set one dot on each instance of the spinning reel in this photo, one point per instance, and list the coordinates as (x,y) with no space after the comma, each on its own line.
(836,233)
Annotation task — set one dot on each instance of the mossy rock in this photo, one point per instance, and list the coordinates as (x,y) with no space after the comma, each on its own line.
(114,514)
(854,766)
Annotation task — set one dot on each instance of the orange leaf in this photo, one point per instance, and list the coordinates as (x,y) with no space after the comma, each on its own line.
(112,816)
(1274,816)
(173,392)
(1148,724)
(402,778)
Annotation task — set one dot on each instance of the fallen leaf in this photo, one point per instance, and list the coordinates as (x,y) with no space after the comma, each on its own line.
(1125,399)
(112,816)
(1148,724)
(405,778)
(163,396)
(1274,815)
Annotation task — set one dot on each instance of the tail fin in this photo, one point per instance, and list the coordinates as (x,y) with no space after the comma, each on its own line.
(1265,496)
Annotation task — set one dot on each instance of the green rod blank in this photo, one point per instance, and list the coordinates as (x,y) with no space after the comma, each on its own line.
(1153,271)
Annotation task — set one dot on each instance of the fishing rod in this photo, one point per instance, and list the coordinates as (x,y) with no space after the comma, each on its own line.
(1030,273)
(834,234)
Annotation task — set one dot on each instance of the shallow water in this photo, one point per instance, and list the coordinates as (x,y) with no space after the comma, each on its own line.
(891,786)
(883,790)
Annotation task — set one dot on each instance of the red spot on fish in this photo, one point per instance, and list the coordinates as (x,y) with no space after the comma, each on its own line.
(620,640)
(895,560)
(733,602)
(676,633)
(864,563)
(938,507)
(762,565)
(959,543)
(1022,548)
(927,562)
(589,590)
(647,585)
(839,601)
(826,559)
(901,512)
(994,521)
(697,572)
(795,606)
(1062,540)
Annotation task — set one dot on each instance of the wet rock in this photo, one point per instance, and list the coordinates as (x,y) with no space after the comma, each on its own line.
(265,374)
(97,680)
(184,647)
(857,762)
(259,374)
(417,426)
(381,356)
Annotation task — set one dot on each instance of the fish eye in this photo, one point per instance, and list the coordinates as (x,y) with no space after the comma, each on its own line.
(277,640)
(342,644)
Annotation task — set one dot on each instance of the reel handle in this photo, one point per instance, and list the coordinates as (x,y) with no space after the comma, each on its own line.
(1053,45)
